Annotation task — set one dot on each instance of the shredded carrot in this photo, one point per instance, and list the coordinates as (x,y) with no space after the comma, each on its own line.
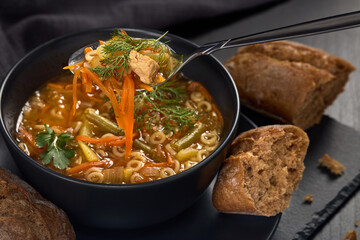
(74,67)
(99,140)
(91,98)
(70,86)
(170,159)
(124,112)
(88,49)
(123,98)
(85,166)
(29,138)
(101,42)
(129,86)
(88,85)
(109,94)
(115,83)
(162,164)
(123,32)
(73,108)
(97,80)
(117,142)
(121,142)
(84,77)
(160,78)
(57,86)
(143,85)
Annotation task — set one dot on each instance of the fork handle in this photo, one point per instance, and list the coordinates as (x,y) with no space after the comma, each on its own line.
(323,25)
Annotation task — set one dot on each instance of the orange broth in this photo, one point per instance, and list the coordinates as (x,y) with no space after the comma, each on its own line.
(161,145)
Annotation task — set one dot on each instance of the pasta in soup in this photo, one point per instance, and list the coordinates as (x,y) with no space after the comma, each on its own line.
(96,126)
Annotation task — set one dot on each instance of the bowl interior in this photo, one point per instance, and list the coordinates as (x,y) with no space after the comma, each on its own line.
(49,59)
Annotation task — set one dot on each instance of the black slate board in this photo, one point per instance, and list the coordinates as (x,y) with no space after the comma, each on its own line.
(302,220)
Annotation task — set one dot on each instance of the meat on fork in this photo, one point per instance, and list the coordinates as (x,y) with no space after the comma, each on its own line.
(145,67)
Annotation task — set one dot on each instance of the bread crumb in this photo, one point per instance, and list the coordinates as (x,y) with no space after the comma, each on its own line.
(308,198)
(334,166)
(350,235)
(356,223)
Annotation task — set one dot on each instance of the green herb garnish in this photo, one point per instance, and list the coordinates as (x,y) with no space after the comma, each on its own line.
(117,50)
(56,150)
(164,107)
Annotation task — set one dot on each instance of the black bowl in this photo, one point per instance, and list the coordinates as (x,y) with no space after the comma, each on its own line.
(115,206)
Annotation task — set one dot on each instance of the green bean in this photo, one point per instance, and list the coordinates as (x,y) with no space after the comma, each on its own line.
(189,138)
(143,146)
(103,123)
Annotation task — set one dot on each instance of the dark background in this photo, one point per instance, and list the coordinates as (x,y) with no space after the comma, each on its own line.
(27,24)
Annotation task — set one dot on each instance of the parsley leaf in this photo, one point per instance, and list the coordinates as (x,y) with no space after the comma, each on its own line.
(56,150)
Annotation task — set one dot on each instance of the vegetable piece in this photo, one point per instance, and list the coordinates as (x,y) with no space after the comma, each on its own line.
(153,164)
(85,132)
(189,138)
(121,142)
(170,159)
(73,108)
(29,138)
(57,86)
(117,142)
(143,86)
(186,154)
(109,93)
(89,154)
(99,140)
(143,146)
(128,112)
(88,49)
(114,175)
(56,150)
(85,166)
(103,123)
(85,129)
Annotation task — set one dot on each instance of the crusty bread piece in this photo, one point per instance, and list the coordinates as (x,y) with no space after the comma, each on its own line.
(265,167)
(288,81)
(25,214)
(350,235)
(332,165)
(308,198)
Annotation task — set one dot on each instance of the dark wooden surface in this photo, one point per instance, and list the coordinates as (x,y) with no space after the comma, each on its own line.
(345,44)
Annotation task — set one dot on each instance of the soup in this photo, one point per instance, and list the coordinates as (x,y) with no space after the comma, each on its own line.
(99,128)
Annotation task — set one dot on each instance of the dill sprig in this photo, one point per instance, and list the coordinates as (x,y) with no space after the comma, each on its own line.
(117,50)
(164,107)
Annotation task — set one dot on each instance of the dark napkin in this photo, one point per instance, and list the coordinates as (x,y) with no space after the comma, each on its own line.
(26,24)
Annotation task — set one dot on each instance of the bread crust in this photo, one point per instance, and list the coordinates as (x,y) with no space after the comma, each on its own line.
(229,194)
(233,194)
(25,214)
(289,81)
